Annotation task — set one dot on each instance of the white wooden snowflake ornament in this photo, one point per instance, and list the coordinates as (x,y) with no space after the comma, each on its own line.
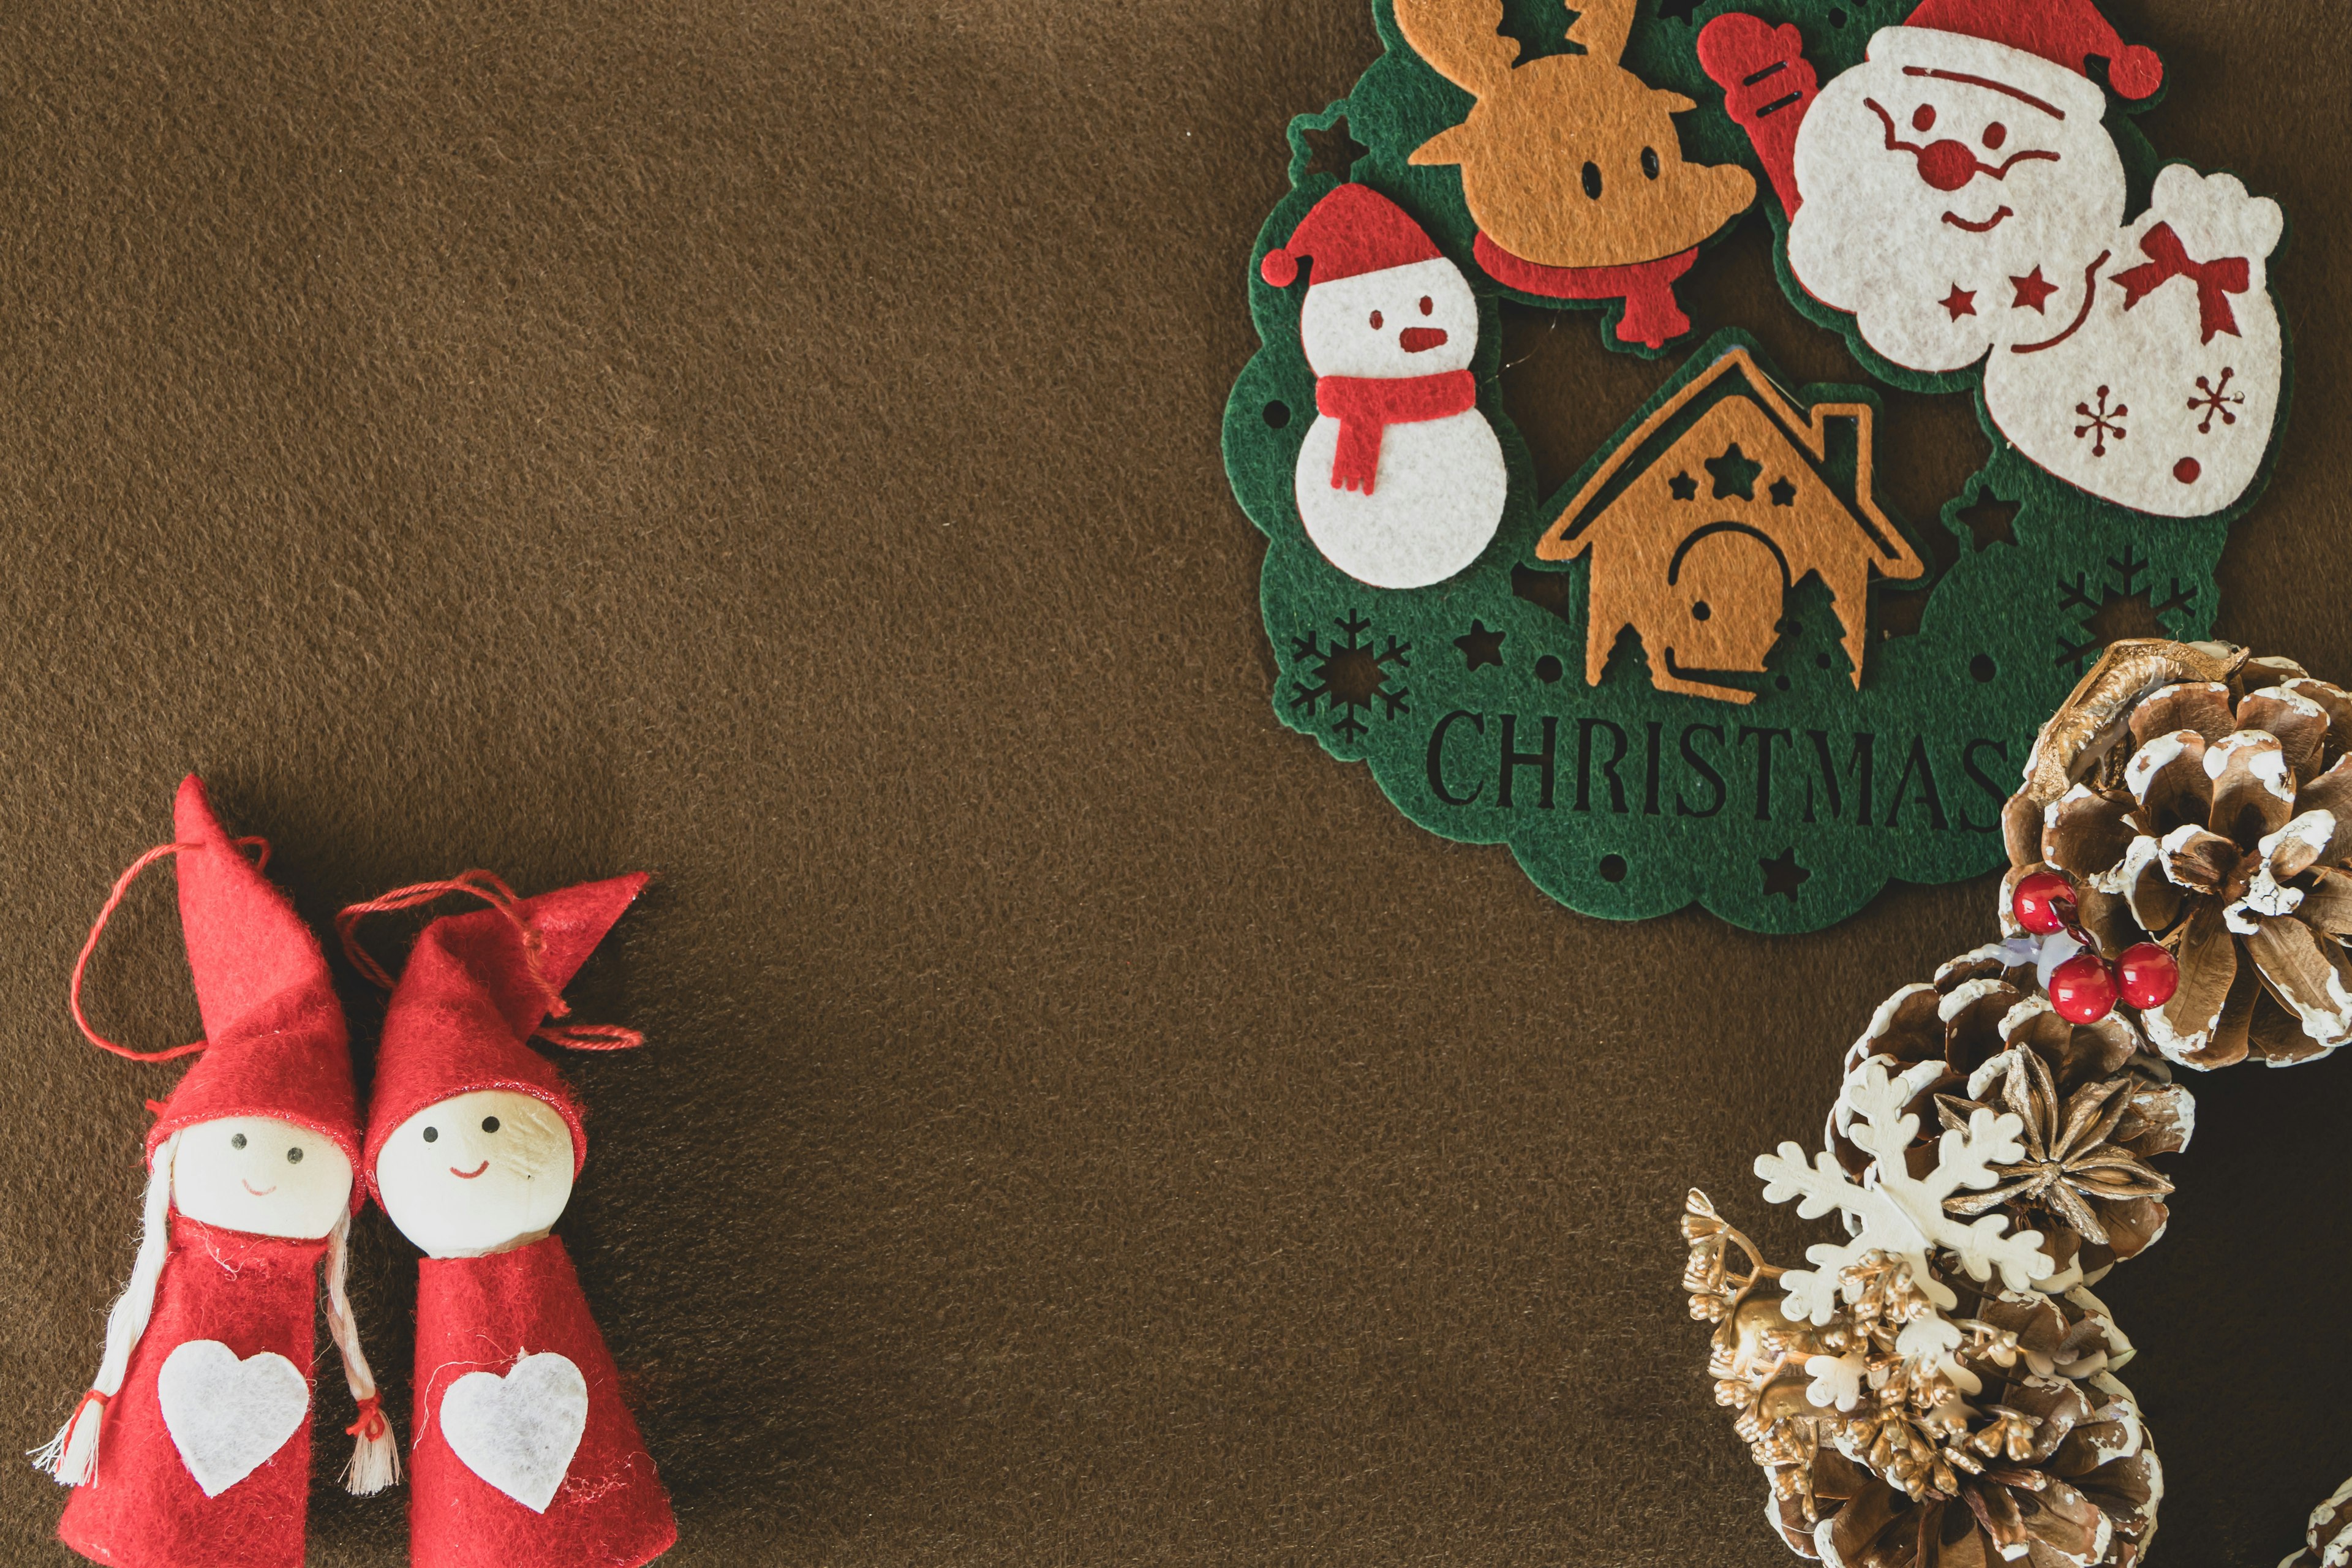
(1899,1214)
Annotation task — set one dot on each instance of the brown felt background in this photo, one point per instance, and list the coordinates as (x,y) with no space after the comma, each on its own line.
(776,446)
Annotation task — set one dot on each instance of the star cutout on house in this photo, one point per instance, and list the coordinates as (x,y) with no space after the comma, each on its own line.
(1783,494)
(1480,646)
(1683,486)
(1959,302)
(1783,875)
(1734,473)
(2034,291)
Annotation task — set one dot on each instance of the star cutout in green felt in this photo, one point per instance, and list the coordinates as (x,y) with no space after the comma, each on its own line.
(1734,473)
(1480,646)
(1683,486)
(1783,876)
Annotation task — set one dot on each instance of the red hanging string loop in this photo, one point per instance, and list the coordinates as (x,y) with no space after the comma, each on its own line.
(488,887)
(105,913)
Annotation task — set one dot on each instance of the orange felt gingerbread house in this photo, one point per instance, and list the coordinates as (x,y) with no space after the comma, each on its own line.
(1694,543)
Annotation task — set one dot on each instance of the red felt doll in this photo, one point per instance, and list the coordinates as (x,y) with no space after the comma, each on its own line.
(525,1454)
(191,1448)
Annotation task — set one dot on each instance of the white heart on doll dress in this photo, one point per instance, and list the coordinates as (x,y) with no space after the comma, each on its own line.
(518,1431)
(227,1416)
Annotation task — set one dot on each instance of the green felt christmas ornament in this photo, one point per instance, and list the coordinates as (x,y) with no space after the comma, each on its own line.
(1714,666)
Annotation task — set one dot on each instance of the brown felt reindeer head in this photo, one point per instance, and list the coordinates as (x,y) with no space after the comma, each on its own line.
(1570,159)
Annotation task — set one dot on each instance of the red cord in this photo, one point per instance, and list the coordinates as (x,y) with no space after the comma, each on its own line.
(492,890)
(105,913)
(371,1423)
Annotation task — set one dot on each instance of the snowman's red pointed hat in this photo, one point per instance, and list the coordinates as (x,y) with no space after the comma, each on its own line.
(2064,32)
(274,1043)
(477,987)
(1353,230)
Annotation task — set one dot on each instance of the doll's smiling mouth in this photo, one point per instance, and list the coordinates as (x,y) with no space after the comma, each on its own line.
(469,1175)
(256,1192)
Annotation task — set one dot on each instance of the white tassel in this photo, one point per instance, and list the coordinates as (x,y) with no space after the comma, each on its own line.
(72,1455)
(375,1453)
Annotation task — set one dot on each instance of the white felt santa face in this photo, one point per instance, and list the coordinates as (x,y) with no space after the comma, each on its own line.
(1955,193)
(261,1176)
(1416,320)
(477,1172)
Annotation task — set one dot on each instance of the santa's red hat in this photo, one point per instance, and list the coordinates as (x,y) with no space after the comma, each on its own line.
(2064,32)
(275,1044)
(1355,229)
(478,986)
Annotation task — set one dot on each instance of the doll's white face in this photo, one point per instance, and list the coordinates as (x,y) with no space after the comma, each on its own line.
(477,1172)
(260,1176)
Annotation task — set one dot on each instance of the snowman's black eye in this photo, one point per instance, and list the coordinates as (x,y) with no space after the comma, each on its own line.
(236,1140)
(1592,180)
(1650,162)
(1923,117)
(432,1133)
(293,1157)
(489,1124)
(1376,320)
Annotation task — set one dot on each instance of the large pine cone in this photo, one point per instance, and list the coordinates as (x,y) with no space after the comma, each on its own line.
(2223,830)
(2069,1477)
(2096,1105)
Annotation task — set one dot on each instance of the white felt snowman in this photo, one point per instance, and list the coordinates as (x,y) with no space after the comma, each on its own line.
(1399,480)
(1960,196)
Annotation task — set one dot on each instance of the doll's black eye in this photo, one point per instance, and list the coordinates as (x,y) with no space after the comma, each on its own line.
(236,1140)
(293,1157)
(431,1133)
(489,1124)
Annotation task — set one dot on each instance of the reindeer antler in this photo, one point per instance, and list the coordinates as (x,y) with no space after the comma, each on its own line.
(1601,26)
(1462,40)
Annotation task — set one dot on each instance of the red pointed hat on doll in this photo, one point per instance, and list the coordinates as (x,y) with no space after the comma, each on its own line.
(477,988)
(274,1043)
(2064,32)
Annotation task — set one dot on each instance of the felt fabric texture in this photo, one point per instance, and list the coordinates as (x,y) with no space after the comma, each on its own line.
(1364,407)
(465,1005)
(1080,1124)
(526,1455)
(187,1477)
(275,1044)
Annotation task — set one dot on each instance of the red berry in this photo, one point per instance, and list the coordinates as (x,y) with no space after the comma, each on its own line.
(2036,900)
(2082,989)
(2150,975)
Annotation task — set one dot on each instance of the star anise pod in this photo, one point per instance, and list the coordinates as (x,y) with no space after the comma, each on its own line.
(2073,1168)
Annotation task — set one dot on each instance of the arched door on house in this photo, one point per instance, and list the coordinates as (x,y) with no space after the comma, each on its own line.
(1724,591)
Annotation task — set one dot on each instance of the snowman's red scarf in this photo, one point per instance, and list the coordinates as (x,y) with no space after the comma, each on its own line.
(1366,405)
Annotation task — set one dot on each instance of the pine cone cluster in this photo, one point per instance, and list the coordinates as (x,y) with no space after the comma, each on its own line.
(1920,1414)
(2096,1103)
(2218,821)
(2024,1448)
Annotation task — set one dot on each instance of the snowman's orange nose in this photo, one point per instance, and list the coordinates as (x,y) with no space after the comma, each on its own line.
(1947,164)
(1413,339)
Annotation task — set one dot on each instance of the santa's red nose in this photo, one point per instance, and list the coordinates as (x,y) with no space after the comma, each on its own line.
(1413,339)
(1947,164)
